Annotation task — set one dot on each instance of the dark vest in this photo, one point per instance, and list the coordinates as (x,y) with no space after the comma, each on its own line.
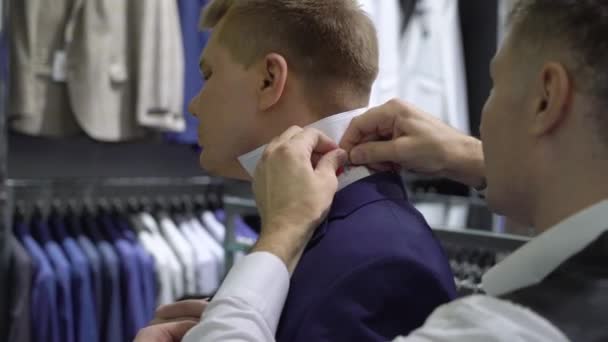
(575,296)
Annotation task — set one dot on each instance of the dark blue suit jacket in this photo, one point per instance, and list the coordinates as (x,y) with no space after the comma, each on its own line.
(372,271)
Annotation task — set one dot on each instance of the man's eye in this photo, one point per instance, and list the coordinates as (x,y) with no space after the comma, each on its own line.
(207,76)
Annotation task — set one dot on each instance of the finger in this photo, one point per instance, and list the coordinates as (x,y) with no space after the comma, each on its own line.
(381,167)
(377,121)
(314,141)
(192,307)
(330,163)
(170,332)
(380,152)
(315,159)
(157,321)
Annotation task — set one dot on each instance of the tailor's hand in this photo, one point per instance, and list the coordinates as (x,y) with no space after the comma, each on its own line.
(171,322)
(294,186)
(398,135)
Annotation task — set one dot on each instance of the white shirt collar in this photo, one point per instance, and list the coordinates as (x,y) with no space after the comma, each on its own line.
(334,127)
(531,263)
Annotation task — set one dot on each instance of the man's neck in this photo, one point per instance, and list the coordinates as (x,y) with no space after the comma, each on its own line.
(564,197)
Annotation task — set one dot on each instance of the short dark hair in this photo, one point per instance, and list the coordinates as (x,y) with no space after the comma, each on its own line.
(581,28)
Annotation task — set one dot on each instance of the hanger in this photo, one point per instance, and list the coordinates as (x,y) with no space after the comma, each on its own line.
(56,221)
(20,228)
(70,217)
(37,222)
(200,204)
(104,218)
(133,206)
(88,218)
(160,208)
(176,211)
(214,197)
(188,205)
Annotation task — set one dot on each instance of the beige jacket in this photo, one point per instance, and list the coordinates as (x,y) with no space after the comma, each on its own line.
(123,67)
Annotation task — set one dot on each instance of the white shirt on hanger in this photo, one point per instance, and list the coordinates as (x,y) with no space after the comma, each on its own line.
(162,265)
(214,247)
(207,280)
(177,270)
(214,226)
(182,250)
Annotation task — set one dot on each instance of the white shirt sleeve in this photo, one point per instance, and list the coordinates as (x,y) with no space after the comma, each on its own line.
(484,318)
(248,305)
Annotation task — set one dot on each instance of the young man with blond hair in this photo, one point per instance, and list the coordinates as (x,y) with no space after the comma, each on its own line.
(273,64)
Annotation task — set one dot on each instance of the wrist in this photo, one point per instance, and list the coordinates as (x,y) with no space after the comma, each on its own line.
(287,242)
(466,163)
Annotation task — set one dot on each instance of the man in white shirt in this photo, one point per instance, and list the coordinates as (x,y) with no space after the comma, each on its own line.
(544,159)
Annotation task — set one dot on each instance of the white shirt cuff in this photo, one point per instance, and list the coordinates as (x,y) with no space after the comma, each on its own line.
(261,280)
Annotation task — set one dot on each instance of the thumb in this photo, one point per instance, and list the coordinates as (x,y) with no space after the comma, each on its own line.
(331,162)
(168,332)
(378,152)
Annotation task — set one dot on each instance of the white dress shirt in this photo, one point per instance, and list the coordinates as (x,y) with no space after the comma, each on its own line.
(177,279)
(207,274)
(250,301)
(163,267)
(182,250)
(214,247)
(215,227)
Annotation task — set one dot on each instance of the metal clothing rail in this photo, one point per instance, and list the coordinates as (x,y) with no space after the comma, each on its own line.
(235,200)
(85,189)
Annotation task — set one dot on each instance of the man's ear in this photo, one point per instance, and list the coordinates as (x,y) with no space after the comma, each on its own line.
(556,93)
(273,79)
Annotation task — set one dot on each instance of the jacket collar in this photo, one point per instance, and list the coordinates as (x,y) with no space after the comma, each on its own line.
(534,261)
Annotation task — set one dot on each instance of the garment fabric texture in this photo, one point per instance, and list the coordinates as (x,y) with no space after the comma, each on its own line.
(85,323)
(44,289)
(432,73)
(21,273)
(386,16)
(62,269)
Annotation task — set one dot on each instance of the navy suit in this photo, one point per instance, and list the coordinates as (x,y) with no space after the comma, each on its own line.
(372,271)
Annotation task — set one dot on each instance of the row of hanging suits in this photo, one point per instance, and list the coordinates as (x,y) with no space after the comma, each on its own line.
(112,69)
(97,274)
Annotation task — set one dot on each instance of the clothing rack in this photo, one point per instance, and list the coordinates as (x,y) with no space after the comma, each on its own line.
(228,195)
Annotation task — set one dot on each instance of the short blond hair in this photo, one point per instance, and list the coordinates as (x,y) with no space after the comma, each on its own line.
(325,42)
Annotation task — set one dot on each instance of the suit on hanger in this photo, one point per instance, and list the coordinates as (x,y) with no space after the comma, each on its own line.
(122,70)
(432,72)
